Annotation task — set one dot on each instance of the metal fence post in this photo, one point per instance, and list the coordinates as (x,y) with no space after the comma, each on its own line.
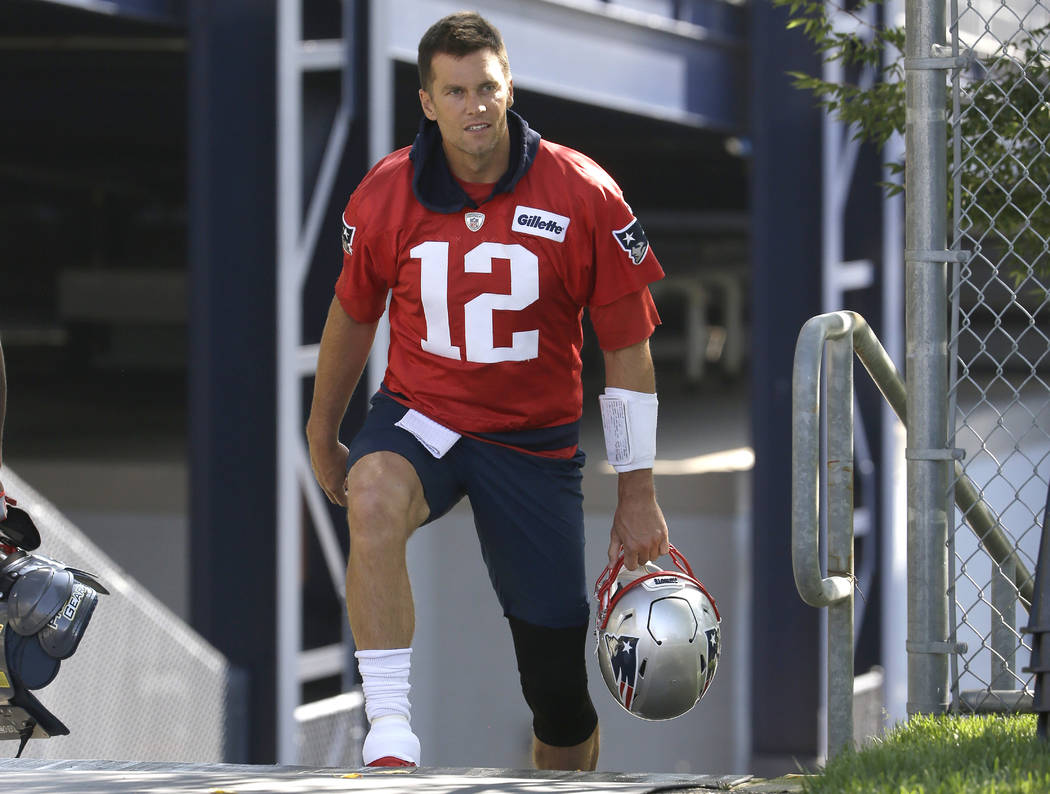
(928,461)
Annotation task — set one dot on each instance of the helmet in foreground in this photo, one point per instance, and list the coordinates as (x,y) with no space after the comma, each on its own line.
(658,635)
(45,607)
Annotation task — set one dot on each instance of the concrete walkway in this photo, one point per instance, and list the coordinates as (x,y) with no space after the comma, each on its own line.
(34,776)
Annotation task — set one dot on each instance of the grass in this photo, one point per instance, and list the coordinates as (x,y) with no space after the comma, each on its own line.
(944,755)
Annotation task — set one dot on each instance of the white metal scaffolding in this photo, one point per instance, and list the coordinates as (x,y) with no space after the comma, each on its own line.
(297,235)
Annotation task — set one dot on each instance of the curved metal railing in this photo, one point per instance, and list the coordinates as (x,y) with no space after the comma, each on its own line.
(843,334)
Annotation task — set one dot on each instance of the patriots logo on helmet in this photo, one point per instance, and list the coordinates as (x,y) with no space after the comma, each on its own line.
(632,239)
(713,651)
(624,657)
(348,237)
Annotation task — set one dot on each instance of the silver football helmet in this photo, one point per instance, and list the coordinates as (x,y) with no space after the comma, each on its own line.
(658,634)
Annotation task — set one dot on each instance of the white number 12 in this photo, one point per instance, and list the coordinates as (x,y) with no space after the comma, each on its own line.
(477,312)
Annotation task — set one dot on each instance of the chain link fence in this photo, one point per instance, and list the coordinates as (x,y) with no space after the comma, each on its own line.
(999,398)
(331,732)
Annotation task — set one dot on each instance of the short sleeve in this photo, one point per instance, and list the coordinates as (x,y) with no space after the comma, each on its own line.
(623,261)
(366,276)
(626,321)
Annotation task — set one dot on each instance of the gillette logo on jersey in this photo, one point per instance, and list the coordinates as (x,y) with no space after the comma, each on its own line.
(541,223)
(625,666)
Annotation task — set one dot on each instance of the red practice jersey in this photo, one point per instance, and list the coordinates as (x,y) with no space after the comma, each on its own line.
(486,299)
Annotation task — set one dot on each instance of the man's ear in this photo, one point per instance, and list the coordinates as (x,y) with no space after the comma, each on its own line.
(510,99)
(428,105)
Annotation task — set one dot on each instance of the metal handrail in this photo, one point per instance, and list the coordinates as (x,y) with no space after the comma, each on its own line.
(815,589)
(835,591)
(846,333)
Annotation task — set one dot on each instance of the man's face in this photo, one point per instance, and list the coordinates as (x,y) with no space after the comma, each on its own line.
(468,98)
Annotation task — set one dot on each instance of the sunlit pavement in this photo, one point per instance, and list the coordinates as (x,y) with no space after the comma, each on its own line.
(33,776)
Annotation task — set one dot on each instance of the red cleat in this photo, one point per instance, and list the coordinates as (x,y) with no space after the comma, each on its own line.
(390,760)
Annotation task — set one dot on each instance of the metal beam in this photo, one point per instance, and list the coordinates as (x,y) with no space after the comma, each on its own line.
(166,11)
(601,54)
(297,236)
(231,404)
(786,247)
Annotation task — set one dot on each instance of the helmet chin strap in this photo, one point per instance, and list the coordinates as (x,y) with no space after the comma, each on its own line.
(24,736)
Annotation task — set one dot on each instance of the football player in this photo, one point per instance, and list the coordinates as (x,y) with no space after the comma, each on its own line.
(489,242)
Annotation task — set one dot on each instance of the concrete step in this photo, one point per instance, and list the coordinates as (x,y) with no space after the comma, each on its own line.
(28,776)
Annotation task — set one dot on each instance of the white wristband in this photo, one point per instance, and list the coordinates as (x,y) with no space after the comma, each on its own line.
(629,421)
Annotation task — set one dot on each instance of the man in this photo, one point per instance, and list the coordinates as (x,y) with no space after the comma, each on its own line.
(489,242)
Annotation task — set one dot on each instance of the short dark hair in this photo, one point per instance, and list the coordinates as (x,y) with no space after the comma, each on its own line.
(459,34)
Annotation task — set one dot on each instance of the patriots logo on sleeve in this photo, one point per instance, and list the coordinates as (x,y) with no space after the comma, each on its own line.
(625,666)
(632,239)
(348,237)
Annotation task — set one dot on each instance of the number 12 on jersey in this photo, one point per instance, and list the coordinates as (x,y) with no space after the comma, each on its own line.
(477,312)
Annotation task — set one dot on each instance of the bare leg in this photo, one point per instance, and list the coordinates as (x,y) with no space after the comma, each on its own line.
(385,504)
(582,756)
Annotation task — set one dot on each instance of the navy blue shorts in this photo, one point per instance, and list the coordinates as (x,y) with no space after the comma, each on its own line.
(528,512)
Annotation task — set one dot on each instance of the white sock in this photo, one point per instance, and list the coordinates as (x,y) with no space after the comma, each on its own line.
(384,679)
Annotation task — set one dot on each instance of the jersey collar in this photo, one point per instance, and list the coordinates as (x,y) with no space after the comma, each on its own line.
(432,181)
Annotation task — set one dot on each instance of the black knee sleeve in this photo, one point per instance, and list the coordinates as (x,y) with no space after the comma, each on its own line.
(552,664)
